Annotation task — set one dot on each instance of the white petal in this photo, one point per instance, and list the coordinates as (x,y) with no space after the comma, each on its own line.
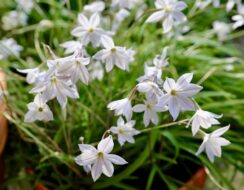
(106,145)
(139,108)
(155,17)
(180,6)
(107,168)
(88,157)
(169,85)
(120,121)
(84,147)
(220,131)
(83,20)
(116,159)
(107,42)
(168,24)
(222,141)
(146,118)
(96,170)
(174,108)
(201,148)
(95,20)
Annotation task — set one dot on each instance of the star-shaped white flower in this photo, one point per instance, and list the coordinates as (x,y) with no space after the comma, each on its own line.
(56,85)
(178,94)
(125,131)
(122,107)
(77,67)
(100,160)
(114,55)
(89,30)
(203,119)
(170,12)
(38,110)
(150,109)
(212,143)
(150,88)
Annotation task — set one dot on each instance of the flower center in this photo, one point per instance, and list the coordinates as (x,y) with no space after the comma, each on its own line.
(148,106)
(168,8)
(91,30)
(173,92)
(121,131)
(40,109)
(54,80)
(113,50)
(100,154)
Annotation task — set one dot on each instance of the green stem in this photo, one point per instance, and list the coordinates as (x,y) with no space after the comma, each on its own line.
(165,125)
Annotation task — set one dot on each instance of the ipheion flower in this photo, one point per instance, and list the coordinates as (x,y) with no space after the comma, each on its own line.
(99,160)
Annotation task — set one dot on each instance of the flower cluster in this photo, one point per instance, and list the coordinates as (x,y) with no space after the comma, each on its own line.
(154,93)
(173,97)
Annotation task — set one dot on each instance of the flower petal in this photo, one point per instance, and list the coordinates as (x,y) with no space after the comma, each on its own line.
(106,145)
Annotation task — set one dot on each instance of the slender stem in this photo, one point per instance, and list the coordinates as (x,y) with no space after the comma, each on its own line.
(212,179)
(165,125)
(105,133)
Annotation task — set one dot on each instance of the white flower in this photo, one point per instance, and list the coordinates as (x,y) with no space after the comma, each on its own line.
(221,29)
(231,3)
(150,109)
(96,70)
(56,85)
(71,46)
(26,5)
(38,110)
(122,107)
(212,143)
(170,12)
(203,119)
(95,7)
(89,30)
(9,47)
(154,73)
(239,18)
(33,75)
(77,67)
(14,19)
(125,131)
(150,88)
(178,94)
(114,55)
(100,160)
